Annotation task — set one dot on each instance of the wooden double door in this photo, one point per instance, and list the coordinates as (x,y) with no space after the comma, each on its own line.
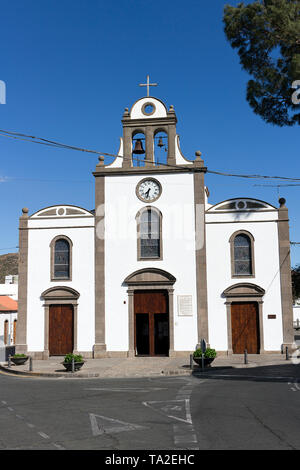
(151,313)
(61,330)
(245,327)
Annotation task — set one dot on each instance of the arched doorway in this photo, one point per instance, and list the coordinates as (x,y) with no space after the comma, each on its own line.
(60,321)
(150,312)
(244,318)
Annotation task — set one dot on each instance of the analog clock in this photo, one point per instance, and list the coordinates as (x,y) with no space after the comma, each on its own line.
(148,190)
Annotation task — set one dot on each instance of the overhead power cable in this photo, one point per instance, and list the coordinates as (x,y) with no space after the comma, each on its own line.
(52,143)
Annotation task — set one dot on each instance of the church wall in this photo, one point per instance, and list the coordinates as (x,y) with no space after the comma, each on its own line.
(267,274)
(178,232)
(82,277)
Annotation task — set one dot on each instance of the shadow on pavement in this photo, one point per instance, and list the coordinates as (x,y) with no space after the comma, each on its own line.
(270,373)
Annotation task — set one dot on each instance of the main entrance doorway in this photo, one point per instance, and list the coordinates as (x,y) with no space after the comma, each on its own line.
(61,330)
(151,313)
(245,327)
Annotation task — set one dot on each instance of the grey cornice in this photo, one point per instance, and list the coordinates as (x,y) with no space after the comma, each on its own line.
(128,122)
(146,170)
(244,289)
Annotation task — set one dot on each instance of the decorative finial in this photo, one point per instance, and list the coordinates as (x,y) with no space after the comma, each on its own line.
(101,160)
(25,210)
(126,112)
(282,202)
(171,109)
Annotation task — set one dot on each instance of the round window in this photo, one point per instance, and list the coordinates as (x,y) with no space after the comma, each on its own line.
(148,109)
(241,205)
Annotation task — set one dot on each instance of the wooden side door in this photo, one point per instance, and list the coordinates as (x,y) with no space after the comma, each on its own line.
(151,322)
(245,327)
(61,328)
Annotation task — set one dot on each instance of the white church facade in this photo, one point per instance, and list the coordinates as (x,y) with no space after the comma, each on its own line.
(155,267)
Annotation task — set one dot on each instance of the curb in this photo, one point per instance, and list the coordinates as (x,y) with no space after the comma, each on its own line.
(90,375)
(256,378)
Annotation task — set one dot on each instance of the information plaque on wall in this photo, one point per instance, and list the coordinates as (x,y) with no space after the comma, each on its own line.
(184,305)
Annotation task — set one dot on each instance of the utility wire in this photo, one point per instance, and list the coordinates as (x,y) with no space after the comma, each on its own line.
(40,140)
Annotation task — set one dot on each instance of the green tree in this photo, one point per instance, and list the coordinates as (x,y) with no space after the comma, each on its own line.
(266,34)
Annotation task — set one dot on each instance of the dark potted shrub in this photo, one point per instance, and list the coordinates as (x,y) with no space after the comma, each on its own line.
(19,359)
(78,361)
(209,355)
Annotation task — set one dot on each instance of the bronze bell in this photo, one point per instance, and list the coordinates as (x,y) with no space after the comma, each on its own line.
(160,142)
(138,148)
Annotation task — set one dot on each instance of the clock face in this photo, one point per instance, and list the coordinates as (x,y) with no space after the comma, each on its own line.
(148,190)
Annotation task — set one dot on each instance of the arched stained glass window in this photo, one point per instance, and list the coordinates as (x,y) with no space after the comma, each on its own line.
(242,255)
(61,259)
(149,234)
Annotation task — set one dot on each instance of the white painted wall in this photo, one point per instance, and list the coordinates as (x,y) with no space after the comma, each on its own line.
(10,317)
(81,231)
(136,110)
(177,206)
(267,273)
(11,290)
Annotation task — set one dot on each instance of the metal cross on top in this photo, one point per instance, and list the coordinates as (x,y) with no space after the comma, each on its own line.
(148,85)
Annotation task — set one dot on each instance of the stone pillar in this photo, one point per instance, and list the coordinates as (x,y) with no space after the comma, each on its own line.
(100,346)
(200,252)
(285,275)
(127,143)
(131,351)
(21,340)
(149,130)
(171,144)
(171,323)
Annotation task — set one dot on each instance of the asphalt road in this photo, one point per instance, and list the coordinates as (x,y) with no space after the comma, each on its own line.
(148,414)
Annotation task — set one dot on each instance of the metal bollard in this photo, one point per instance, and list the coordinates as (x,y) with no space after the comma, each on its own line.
(73,365)
(30,364)
(245,357)
(202,361)
(9,361)
(191,361)
(287,353)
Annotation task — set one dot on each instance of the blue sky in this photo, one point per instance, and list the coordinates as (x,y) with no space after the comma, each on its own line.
(72,66)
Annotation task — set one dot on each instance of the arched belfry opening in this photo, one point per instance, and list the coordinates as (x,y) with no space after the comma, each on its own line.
(138,154)
(150,127)
(160,147)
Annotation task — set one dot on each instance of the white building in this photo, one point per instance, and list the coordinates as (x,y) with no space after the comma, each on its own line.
(155,268)
(8,313)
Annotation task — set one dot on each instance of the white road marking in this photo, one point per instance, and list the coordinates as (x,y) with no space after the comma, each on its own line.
(103,424)
(30,425)
(19,416)
(175,409)
(10,409)
(58,446)
(42,434)
(184,434)
(141,390)
(4,402)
